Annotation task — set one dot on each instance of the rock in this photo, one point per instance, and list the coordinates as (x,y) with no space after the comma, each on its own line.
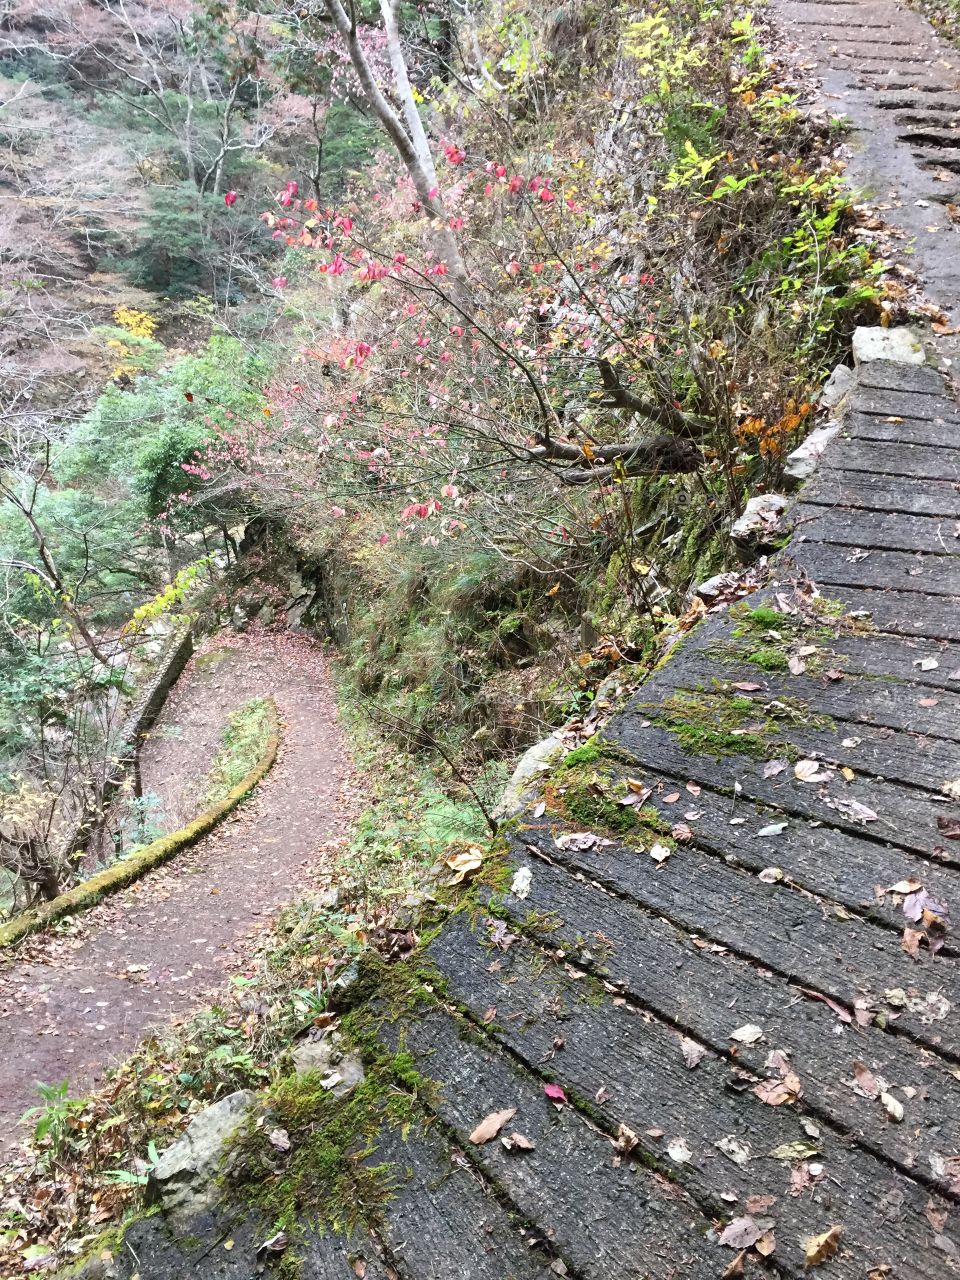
(802,463)
(328,899)
(327,1056)
(535,761)
(708,591)
(837,386)
(184,1178)
(902,345)
(759,528)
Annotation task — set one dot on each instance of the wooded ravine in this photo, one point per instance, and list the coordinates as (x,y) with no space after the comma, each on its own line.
(479,639)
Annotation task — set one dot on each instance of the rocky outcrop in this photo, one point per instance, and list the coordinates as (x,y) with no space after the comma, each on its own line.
(184,1179)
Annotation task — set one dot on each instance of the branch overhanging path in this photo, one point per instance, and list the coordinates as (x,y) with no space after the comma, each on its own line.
(74,1002)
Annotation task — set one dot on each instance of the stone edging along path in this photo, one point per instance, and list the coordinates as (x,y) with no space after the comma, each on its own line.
(120,874)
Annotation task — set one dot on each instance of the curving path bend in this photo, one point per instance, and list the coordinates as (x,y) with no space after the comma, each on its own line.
(76,1001)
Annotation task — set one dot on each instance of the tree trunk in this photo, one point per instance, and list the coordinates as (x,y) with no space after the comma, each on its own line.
(424,178)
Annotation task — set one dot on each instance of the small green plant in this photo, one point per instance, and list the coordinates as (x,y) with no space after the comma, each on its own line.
(53,1120)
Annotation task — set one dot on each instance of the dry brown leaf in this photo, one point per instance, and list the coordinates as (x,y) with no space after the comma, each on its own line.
(867,1081)
(492,1124)
(766,1244)
(910,942)
(736,1267)
(741,1233)
(692,1052)
(817,1249)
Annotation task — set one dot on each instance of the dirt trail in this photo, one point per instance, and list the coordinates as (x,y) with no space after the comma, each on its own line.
(73,1003)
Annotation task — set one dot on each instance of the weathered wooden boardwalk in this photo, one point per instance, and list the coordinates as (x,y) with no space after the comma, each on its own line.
(744,982)
(720,998)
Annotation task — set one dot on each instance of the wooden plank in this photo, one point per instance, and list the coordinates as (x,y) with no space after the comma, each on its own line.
(934,664)
(636,1062)
(603,1219)
(905,816)
(905,402)
(941,432)
(836,865)
(881,654)
(151,1252)
(773,925)
(891,375)
(440,1210)
(708,994)
(859,489)
(912,760)
(854,701)
(881,458)
(832,566)
(895,531)
(903,612)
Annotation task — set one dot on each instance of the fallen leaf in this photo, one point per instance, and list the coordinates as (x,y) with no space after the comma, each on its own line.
(660,853)
(491,1125)
(905,886)
(773,829)
(735,1268)
(692,1052)
(910,942)
(518,1142)
(796,665)
(748,1034)
(866,1080)
(741,1233)
(952,789)
(276,1244)
(773,767)
(679,1152)
(359,1268)
(626,1140)
(554,1093)
(776,1092)
(791,1151)
(843,1014)
(280,1139)
(927,664)
(464,863)
(522,880)
(892,1106)
(817,1249)
(681,833)
(734,1150)
(672,798)
(746,686)
(759,1205)
(950,827)
(770,875)
(810,771)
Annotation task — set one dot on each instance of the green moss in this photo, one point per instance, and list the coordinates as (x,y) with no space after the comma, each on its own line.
(588,753)
(704,725)
(241,746)
(330,1178)
(769,659)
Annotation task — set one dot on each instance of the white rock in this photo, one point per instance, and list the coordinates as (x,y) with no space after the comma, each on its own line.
(184,1178)
(837,386)
(902,346)
(534,762)
(343,1070)
(802,463)
(760,523)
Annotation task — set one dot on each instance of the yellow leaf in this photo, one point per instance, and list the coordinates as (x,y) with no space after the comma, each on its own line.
(817,1249)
